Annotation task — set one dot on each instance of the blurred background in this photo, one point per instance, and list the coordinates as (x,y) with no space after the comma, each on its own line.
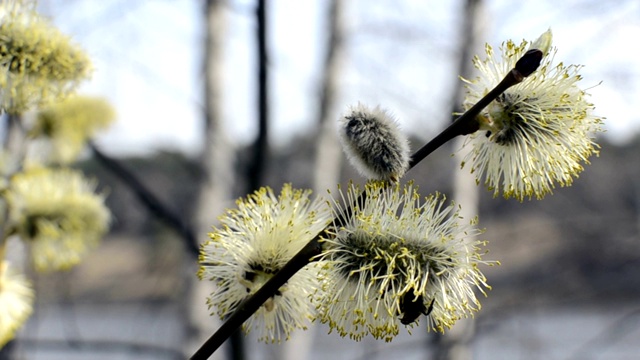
(216,98)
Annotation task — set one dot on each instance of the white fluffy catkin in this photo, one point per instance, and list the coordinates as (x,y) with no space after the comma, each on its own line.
(373,143)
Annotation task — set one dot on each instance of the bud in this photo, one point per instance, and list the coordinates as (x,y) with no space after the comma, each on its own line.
(374,144)
(529,62)
(543,43)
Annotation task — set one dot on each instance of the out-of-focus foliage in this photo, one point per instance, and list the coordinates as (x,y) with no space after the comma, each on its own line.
(68,125)
(58,214)
(38,64)
(16,297)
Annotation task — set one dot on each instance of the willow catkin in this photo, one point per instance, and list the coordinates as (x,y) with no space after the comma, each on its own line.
(373,143)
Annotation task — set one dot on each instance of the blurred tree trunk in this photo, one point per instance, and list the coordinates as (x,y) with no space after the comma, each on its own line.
(217,171)
(328,150)
(455,344)
(260,148)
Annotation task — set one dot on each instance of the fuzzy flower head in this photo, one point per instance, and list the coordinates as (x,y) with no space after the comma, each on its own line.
(16,302)
(538,133)
(58,214)
(67,125)
(254,242)
(395,259)
(38,63)
(374,144)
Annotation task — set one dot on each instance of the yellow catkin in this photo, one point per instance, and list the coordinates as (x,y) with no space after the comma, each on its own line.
(58,214)
(38,64)
(68,125)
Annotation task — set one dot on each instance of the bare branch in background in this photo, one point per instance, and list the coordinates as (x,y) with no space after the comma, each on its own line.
(260,148)
(161,211)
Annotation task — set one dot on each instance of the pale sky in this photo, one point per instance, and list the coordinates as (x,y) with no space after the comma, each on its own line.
(400,56)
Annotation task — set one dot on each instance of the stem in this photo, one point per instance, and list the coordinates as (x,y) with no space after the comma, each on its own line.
(464,125)
(253,303)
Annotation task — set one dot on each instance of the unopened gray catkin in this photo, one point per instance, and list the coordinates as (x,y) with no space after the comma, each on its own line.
(373,143)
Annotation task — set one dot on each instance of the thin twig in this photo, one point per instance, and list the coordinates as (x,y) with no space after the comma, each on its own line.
(253,303)
(464,125)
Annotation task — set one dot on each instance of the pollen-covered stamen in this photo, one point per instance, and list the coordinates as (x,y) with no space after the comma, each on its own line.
(253,243)
(538,134)
(396,258)
(375,257)
(507,120)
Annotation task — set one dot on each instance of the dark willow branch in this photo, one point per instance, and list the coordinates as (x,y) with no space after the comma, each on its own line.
(464,125)
(149,200)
